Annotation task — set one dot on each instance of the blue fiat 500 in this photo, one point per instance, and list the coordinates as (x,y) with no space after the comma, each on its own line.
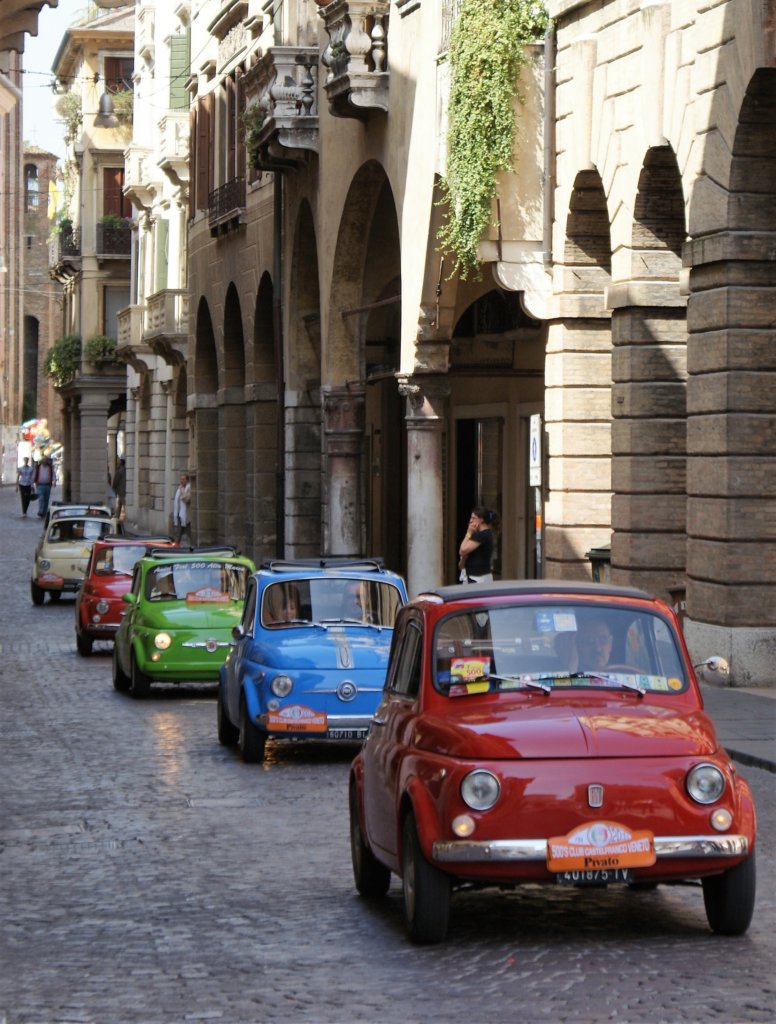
(310,653)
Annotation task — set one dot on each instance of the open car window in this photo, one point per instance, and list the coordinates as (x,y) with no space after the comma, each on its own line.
(556,647)
(197,582)
(330,601)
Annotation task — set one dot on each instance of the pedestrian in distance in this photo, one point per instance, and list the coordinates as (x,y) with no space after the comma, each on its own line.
(45,479)
(25,478)
(180,509)
(119,486)
(475,554)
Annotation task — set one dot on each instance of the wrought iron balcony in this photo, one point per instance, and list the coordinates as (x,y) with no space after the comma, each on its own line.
(356,57)
(226,206)
(114,240)
(174,146)
(281,118)
(167,324)
(65,247)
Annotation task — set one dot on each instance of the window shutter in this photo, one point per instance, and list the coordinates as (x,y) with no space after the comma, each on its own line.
(162,253)
(179,70)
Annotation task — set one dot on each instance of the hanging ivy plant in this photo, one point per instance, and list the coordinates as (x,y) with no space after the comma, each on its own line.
(487,53)
(68,106)
(63,359)
(253,118)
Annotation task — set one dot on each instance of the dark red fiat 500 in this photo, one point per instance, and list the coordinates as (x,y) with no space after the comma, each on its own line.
(551,733)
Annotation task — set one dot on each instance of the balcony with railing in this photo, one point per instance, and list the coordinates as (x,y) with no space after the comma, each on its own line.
(145,28)
(174,146)
(130,347)
(356,57)
(226,206)
(140,176)
(114,240)
(167,324)
(65,251)
(281,117)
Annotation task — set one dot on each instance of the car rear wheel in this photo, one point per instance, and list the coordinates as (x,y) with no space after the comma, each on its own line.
(38,594)
(371,877)
(120,678)
(228,733)
(426,890)
(251,741)
(140,684)
(729,898)
(84,644)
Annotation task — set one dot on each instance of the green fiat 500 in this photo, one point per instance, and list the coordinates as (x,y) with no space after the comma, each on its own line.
(181,611)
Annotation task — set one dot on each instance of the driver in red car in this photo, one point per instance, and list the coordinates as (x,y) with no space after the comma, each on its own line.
(594,644)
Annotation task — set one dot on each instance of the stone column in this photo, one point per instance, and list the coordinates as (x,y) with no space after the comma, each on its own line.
(649,408)
(427,404)
(343,427)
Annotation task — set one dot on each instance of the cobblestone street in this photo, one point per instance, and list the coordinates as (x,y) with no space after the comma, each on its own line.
(149,876)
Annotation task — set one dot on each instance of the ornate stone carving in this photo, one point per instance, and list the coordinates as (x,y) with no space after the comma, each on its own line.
(356,58)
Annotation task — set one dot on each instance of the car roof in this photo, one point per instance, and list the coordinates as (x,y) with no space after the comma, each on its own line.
(75,511)
(188,554)
(324,567)
(538,588)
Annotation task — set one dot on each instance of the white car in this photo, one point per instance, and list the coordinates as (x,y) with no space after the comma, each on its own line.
(63,553)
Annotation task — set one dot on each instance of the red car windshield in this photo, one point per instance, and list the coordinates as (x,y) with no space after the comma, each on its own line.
(117,561)
(557,647)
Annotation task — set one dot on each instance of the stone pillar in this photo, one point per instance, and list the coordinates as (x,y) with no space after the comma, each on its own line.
(427,404)
(343,427)
(649,408)
(731,458)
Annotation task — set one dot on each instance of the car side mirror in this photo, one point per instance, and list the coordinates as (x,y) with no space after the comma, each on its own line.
(715,670)
(238,632)
(129,598)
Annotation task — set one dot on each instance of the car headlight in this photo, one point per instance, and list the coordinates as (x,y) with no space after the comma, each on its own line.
(102,606)
(281,686)
(162,641)
(480,790)
(43,563)
(705,783)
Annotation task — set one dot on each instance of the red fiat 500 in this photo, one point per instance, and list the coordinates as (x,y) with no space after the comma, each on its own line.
(542,732)
(99,605)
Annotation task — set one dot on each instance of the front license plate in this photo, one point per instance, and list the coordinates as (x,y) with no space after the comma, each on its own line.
(611,876)
(347,734)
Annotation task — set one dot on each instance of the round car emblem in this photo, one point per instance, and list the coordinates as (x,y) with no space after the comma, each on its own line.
(211,645)
(347,690)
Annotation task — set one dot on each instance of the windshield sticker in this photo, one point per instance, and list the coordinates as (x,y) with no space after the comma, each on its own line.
(469,670)
(208,595)
(565,622)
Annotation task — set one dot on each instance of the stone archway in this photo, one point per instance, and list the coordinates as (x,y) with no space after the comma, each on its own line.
(649,372)
(731,558)
(232,436)
(578,403)
(205,439)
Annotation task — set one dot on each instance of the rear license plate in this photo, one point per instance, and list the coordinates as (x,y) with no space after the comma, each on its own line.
(347,734)
(608,876)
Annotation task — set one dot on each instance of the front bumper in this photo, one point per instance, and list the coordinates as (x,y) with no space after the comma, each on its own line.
(501,851)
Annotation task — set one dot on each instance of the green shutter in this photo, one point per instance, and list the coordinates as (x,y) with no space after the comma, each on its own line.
(179,70)
(162,249)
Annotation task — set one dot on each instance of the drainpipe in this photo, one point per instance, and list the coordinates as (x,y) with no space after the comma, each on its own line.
(277,330)
(549,147)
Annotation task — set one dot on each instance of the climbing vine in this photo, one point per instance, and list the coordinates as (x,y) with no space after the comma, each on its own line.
(487,53)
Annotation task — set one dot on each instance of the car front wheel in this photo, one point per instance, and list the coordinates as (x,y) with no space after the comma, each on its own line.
(140,684)
(84,644)
(251,741)
(371,877)
(120,678)
(38,594)
(426,890)
(729,898)
(228,733)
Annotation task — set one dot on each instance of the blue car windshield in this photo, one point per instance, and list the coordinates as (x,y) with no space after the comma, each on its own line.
(551,647)
(326,600)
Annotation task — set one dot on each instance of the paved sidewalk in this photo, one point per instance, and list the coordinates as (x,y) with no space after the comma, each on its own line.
(746,723)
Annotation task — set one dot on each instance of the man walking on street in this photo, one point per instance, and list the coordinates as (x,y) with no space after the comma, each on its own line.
(25,475)
(45,478)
